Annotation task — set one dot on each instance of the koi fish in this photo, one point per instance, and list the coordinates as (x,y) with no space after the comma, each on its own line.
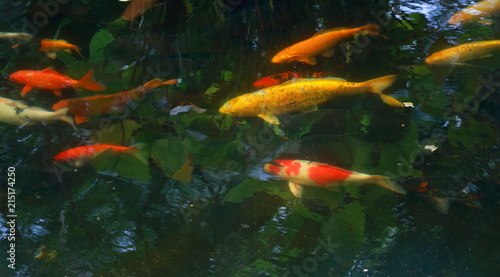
(321,43)
(279,78)
(463,53)
(301,173)
(476,12)
(50,46)
(82,108)
(83,154)
(136,8)
(456,189)
(17,113)
(13,35)
(302,95)
(50,79)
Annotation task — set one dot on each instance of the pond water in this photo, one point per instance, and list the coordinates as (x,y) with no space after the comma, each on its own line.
(202,204)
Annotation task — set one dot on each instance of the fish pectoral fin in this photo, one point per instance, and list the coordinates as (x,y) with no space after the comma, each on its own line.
(332,189)
(296,189)
(25,90)
(80,119)
(486,56)
(328,53)
(310,109)
(51,55)
(308,60)
(461,64)
(79,162)
(485,21)
(58,93)
(270,118)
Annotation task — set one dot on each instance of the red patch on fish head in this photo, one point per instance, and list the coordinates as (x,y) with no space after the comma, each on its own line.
(327,174)
(291,166)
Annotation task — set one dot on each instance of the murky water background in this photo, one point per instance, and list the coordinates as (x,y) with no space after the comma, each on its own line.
(203,206)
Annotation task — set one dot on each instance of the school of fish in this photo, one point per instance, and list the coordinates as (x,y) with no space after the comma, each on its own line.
(277,95)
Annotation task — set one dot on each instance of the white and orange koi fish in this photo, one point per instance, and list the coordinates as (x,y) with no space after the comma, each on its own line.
(301,173)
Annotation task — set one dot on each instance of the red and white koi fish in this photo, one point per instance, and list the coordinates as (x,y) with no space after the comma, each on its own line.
(83,154)
(50,79)
(301,173)
(17,113)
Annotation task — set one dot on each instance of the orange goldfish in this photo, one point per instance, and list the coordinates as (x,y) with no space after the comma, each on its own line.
(136,8)
(50,46)
(321,43)
(82,108)
(476,12)
(50,79)
(83,154)
(301,173)
(463,53)
(302,95)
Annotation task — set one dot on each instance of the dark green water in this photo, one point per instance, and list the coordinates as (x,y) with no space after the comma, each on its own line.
(226,217)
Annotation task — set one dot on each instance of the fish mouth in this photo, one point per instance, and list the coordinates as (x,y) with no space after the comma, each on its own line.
(267,167)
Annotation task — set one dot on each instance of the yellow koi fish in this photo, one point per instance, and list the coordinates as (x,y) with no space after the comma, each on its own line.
(321,43)
(302,95)
(476,12)
(463,53)
(17,113)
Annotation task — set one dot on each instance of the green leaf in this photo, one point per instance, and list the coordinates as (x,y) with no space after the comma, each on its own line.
(97,44)
(472,134)
(116,133)
(169,154)
(123,164)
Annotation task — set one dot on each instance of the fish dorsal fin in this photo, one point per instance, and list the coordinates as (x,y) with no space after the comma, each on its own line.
(322,32)
(51,70)
(299,80)
(320,164)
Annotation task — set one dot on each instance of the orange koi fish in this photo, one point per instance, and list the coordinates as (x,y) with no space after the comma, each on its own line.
(50,46)
(302,95)
(279,78)
(476,12)
(83,154)
(439,195)
(136,8)
(321,43)
(301,173)
(82,108)
(50,79)
(17,113)
(460,54)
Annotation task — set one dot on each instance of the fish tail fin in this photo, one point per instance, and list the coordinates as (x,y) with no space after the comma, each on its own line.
(388,183)
(87,83)
(60,105)
(63,116)
(135,150)
(441,204)
(371,29)
(378,85)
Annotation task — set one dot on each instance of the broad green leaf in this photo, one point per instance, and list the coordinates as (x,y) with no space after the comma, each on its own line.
(97,44)
(169,154)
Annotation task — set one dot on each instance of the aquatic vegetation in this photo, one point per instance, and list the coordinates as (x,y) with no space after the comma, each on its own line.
(198,201)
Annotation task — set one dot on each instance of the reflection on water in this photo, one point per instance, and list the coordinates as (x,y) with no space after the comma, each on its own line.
(203,205)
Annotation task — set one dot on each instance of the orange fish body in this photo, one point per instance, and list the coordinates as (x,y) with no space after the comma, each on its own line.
(476,12)
(136,8)
(49,79)
(301,173)
(50,46)
(463,53)
(302,95)
(83,154)
(82,108)
(321,43)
